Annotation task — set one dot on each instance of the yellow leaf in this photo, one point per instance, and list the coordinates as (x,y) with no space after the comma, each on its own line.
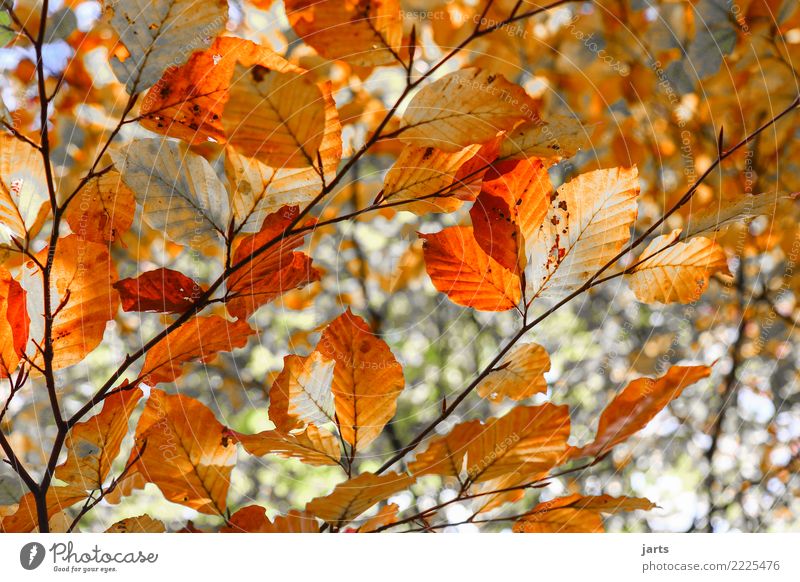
(428,175)
(352,498)
(559,137)
(519,375)
(676,271)
(277,117)
(367,378)
(103,210)
(465,107)
(589,222)
(23,188)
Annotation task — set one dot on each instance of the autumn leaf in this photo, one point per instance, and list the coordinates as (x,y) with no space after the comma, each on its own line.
(82,296)
(266,275)
(362,32)
(25,519)
(531,436)
(201,338)
(637,404)
(313,446)
(187,454)
(104,209)
(431,180)
(673,271)
(253,519)
(178,190)
(161,290)
(23,189)
(151,30)
(387,515)
(588,223)
(510,210)
(301,394)
(92,445)
(556,138)
(352,498)
(461,269)
(445,455)
(519,375)
(731,208)
(275,116)
(367,379)
(466,107)
(139,524)
(14,323)
(576,514)
(188,101)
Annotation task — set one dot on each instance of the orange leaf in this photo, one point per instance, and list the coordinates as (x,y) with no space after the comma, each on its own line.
(301,393)
(253,519)
(519,375)
(510,209)
(139,524)
(637,404)
(161,290)
(445,455)
(82,299)
(200,338)
(362,32)
(576,514)
(267,275)
(187,454)
(352,498)
(459,267)
(367,378)
(14,323)
(314,446)
(534,437)
(25,518)
(103,210)
(92,445)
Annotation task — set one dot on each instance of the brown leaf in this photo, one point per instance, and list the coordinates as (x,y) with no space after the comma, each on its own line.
(267,275)
(25,519)
(576,514)
(139,524)
(162,291)
(14,323)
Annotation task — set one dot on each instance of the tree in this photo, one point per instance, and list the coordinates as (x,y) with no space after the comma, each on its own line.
(183,207)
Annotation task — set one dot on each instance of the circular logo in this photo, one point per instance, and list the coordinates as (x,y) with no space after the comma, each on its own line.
(31,555)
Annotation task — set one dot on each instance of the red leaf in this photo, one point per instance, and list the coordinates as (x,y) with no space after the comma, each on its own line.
(162,291)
